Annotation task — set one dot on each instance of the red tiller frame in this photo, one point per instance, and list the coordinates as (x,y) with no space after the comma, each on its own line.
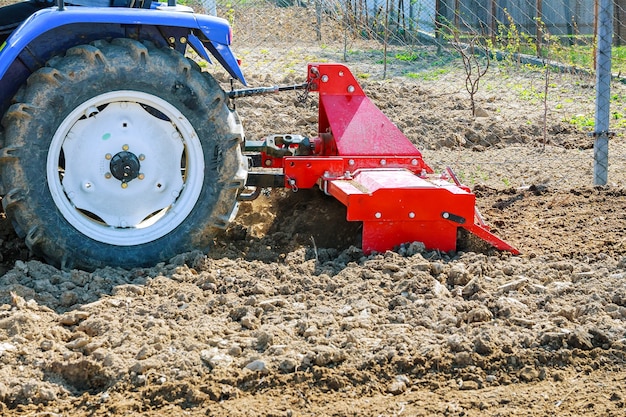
(363,160)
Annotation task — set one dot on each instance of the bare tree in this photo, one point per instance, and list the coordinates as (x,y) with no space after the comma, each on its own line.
(475,67)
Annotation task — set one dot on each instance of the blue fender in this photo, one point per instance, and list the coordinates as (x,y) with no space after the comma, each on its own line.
(215,33)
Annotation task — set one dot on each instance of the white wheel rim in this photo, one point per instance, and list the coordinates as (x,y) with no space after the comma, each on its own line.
(159,152)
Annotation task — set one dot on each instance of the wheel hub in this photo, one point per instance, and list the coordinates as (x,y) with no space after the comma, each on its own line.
(125,166)
(129,136)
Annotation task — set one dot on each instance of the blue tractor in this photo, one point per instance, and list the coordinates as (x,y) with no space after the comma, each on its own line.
(115,148)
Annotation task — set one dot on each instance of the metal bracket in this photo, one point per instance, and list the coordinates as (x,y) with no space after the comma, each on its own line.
(276,147)
(453,217)
(606,133)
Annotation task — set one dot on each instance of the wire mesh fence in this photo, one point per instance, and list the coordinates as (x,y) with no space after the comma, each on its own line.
(496,89)
(517,76)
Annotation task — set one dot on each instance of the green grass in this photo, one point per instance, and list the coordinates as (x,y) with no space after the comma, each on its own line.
(411,56)
(579,55)
(428,75)
(618,59)
(528,93)
(617,99)
(582,121)
(587,122)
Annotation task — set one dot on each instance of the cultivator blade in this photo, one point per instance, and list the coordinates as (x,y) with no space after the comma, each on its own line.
(363,160)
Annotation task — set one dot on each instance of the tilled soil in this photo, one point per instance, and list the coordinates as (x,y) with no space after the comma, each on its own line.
(270,326)
(287,317)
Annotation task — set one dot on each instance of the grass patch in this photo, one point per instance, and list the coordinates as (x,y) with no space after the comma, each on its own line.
(582,121)
(428,75)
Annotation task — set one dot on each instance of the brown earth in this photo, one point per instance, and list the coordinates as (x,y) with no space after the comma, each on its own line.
(287,317)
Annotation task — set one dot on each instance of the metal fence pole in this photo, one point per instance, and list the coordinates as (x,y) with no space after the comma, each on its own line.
(318,17)
(210,7)
(603,93)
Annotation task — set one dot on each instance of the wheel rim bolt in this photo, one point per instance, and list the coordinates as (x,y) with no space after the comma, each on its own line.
(124,185)
(141,176)
(125,147)
(108,156)
(107,175)
(142,157)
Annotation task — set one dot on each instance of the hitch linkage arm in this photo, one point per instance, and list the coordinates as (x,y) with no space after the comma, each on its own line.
(260,91)
(279,146)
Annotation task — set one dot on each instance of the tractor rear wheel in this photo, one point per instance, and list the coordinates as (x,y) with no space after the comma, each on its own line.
(121,154)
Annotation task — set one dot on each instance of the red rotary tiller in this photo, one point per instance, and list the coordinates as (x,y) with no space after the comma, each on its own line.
(363,160)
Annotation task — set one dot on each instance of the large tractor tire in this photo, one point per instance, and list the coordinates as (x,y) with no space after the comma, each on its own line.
(120,154)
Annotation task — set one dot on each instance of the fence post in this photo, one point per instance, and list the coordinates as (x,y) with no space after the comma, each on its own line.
(619,23)
(538,23)
(603,93)
(318,17)
(210,7)
(439,18)
(386,40)
(493,21)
